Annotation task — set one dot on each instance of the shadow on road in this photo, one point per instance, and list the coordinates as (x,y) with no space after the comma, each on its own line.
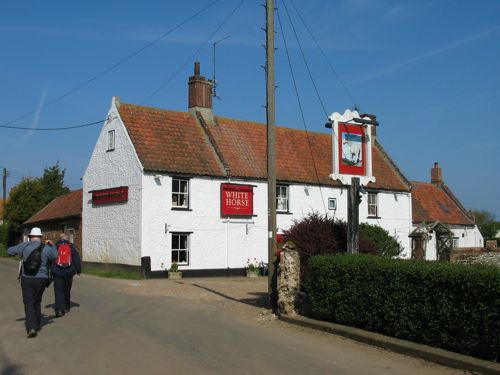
(53,306)
(8,368)
(260,299)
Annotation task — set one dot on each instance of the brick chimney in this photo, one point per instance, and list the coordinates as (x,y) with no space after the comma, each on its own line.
(200,90)
(436,174)
(373,118)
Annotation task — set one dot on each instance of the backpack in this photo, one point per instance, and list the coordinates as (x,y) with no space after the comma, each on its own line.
(64,255)
(34,261)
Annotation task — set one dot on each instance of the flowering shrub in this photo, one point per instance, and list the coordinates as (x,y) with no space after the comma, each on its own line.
(174,267)
(254,266)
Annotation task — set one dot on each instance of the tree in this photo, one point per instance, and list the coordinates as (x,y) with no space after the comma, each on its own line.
(25,199)
(485,221)
(53,182)
(32,194)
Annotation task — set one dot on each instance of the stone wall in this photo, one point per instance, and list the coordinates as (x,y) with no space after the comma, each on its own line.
(492,257)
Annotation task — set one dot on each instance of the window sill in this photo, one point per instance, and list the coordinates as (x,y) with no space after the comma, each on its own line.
(284,213)
(181,209)
(373,217)
(110,150)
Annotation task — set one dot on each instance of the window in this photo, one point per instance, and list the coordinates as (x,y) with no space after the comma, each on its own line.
(455,242)
(71,235)
(282,198)
(332,203)
(373,204)
(180,248)
(180,193)
(111,140)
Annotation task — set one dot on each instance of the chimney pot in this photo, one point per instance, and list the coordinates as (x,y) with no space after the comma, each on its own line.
(436,174)
(197,68)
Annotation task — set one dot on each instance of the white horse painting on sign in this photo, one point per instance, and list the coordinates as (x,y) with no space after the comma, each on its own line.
(352,149)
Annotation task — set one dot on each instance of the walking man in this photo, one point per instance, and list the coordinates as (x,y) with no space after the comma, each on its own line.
(36,258)
(67,264)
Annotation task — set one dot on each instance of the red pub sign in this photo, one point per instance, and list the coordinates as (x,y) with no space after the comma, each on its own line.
(119,194)
(236,200)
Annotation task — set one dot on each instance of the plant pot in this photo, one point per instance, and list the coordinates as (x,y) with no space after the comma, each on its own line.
(175,275)
(252,274)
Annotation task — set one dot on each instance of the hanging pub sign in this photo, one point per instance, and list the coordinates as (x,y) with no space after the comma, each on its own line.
(351,147)
(236,200)
(118,194)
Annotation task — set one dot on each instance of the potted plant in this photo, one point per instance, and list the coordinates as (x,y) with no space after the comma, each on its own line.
(253,268)
(173,272)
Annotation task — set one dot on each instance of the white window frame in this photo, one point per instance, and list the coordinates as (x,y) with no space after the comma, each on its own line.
(283,197)
(455,242)
(111,140)
(372,200)
(180,249)
(332,203)
(177,194)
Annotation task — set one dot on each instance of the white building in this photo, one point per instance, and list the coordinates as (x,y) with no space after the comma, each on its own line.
(154,185)
(434,203)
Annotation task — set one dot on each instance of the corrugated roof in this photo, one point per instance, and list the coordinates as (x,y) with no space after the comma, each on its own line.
(435,202)
(176,142)
(65,206)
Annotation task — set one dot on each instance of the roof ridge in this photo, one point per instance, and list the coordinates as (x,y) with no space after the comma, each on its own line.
(391,162)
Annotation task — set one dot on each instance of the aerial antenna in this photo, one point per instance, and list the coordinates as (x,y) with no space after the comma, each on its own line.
(214,92)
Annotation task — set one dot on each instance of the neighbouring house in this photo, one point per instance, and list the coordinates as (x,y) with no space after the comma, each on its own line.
(63,214)
(440,221)
(191,187)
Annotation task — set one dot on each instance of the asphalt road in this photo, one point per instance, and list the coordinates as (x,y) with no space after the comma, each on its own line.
(112,332)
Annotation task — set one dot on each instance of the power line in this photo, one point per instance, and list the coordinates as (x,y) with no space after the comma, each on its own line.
(324,56)
(305,60)
(300,106)
(194,54)
(53,129)
(112,67)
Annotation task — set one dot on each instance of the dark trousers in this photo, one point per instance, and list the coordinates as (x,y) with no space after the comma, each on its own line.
(33,288)
(62,292)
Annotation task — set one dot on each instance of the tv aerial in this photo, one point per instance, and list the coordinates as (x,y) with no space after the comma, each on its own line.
(214,44)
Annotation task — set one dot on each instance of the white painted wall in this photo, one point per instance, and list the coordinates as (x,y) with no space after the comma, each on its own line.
(112,232)
(216,242)
(467,237)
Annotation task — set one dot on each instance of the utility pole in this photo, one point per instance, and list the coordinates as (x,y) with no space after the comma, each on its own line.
(271,155)
(353,217)
(4,184)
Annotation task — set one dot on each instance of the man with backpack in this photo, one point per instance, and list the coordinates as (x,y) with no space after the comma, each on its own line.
(36,257)
(66,265)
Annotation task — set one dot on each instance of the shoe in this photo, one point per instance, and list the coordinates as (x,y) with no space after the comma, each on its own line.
(59,313)
(31,333)
(67,310)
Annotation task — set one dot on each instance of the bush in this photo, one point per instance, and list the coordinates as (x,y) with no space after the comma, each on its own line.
(452,306)
(384,242)
(317,234)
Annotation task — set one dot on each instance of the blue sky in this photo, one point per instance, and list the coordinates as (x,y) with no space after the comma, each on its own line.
(428,69)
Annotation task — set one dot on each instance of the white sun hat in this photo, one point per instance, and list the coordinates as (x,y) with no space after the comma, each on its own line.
(35,232)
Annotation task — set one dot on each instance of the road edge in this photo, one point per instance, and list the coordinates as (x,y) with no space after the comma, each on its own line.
(428,353)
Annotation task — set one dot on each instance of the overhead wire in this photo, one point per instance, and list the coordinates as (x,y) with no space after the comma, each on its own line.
(332,68)
(300,105)
(188,60)
(112,67)
(53,129)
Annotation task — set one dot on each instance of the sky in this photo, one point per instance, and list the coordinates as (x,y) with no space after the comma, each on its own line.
(428,69)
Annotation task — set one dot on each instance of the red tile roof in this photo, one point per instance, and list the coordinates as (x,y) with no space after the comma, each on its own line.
(177,142)
(436,202)
(65,206)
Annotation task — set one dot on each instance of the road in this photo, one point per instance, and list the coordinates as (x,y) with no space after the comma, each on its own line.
(110,331)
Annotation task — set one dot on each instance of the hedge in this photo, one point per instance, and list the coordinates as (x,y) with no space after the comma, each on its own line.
(452,306)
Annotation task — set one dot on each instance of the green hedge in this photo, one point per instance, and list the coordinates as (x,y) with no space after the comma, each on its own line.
(452,306)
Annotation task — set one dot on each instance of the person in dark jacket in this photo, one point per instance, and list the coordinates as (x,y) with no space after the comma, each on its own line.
(33,286)
(63,278)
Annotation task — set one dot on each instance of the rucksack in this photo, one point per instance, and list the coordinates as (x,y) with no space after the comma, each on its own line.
(64,255)
(34,261)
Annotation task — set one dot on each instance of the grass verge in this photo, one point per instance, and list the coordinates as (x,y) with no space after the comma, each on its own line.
(113,274)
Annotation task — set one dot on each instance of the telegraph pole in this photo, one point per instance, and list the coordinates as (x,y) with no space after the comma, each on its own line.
(271,155)
(4,186)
